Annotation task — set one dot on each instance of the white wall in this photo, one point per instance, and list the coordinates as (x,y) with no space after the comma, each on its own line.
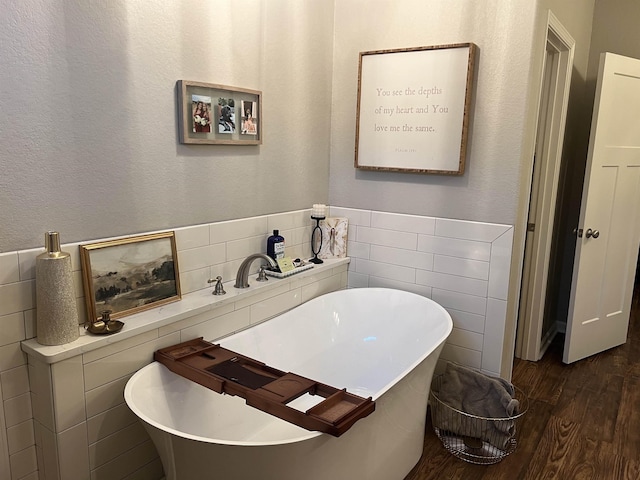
(88,132)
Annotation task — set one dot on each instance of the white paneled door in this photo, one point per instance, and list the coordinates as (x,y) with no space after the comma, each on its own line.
(608,235)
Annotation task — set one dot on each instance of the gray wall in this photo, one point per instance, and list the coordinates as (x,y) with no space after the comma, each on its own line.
(615,30)
(88,131)
(503,31)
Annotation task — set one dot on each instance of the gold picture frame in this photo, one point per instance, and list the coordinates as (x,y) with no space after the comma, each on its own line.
(413,109)
(130,275)
(210,114)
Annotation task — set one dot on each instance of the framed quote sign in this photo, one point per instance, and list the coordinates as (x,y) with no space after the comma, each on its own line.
(413,109)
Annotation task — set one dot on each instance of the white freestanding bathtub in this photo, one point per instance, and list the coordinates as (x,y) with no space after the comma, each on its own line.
(374,342)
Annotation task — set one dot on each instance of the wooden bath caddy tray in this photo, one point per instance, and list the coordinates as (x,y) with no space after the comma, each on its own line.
(264,387)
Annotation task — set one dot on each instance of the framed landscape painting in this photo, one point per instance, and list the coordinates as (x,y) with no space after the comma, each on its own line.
(130,275)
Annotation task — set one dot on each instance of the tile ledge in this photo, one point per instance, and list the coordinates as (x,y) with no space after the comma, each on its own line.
(191,304)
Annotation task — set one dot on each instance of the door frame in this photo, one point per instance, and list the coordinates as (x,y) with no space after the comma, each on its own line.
(5,471)
(553,102)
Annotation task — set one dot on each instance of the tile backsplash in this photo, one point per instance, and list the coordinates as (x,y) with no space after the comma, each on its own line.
(462,265)
(74,409)
(204,252)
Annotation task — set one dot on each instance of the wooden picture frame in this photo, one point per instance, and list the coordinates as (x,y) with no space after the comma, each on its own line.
(210,114)
(130,275)
(413,109)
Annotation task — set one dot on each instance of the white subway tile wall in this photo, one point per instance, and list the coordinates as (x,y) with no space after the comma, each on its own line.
(69,420)
(462,265)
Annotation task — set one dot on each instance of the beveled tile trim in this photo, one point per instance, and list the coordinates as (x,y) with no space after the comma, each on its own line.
(9,268)
(73,456)
(23,463)
(17,410)
(192,237)
(12,328)
(468,230)
(219,326)
(17,297)
(389,238)
(237,229)
(105,397)
(274,305)
(403,223)
(125,362)
(20,436)
(68,393)
(109,422)
(14,382)
(392,272)
(119,346)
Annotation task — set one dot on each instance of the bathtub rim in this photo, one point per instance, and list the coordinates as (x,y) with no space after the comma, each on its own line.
(306,435)
(423,356)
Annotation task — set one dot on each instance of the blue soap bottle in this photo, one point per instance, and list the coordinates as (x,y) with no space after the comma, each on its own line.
(275,245)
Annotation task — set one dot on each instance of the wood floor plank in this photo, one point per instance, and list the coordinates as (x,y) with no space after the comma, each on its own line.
(614,466)
(628,423)
(603,408)
(550,389)
(614,359)
(580,462)
(527,375)
(633,344)
(573,404)
(591,459)
(559,439)
(583,422)
(633,363)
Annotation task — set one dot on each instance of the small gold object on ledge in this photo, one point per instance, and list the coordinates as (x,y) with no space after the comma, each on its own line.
(104,325)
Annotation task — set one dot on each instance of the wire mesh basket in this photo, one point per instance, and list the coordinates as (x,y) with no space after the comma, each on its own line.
(475,439)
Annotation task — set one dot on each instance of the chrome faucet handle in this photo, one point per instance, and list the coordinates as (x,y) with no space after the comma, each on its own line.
(262,276)
(242,277)
(218,289)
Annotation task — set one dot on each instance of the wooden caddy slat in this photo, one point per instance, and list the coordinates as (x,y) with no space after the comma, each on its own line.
(264,387)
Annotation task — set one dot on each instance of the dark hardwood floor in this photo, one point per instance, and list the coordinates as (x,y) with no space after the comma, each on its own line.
(583,420)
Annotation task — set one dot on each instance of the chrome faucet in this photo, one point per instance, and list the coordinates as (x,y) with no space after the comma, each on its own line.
(242,277)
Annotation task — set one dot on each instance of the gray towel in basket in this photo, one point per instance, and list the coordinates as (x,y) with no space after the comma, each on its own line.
(481,395)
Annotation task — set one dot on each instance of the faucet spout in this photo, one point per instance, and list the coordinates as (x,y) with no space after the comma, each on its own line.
(242,277)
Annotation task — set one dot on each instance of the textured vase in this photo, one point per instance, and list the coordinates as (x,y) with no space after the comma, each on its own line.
(56,311)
